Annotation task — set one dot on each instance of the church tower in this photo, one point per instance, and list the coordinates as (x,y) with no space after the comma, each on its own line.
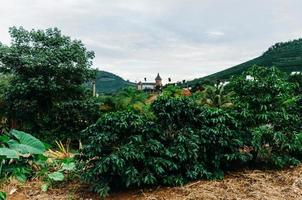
(158,83)
(158,80)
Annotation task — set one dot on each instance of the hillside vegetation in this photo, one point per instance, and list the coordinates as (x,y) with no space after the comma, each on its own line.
(287,56)
(107,82)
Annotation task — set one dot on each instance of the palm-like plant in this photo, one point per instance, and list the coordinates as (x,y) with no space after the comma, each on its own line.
(216,96)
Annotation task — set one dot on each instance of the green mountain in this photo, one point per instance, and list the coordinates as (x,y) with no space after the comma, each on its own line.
(107,82)
(287,56)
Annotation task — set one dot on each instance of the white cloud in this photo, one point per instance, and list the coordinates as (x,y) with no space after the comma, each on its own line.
(215,33)
(179,39)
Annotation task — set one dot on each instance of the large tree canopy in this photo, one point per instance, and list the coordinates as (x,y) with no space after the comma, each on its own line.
(48,68)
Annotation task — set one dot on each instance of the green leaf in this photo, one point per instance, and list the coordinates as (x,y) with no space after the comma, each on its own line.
(2,196)
(21,177)
(68,166)
(8,153)
(27,143)
(45,187)
(56,176)
(4,138)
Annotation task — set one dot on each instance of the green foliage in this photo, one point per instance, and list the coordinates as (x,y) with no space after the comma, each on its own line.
(4,85)
(48,70)
(276,148)
(17,152)
(23,144)
(296,79)
(126,99)
(215,96)
(219,135)
(263,98)
(61,173)
(255,119)
(268,109)
(109,83)
(2,195)
(186,142)
(56,176)
(176,113)
(172,91)
(114,142)
(130,98)
(68,118)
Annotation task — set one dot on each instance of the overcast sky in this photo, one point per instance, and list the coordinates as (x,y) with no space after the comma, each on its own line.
(181,39)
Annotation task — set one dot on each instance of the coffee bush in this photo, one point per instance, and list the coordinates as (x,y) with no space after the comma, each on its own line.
(128,150)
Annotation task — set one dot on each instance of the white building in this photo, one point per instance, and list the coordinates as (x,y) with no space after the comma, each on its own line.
(149,86)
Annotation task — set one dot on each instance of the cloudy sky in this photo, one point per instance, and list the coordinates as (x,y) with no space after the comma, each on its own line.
(181,39)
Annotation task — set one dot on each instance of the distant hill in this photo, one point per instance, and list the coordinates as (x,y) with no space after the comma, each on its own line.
(107,82)
(287,56)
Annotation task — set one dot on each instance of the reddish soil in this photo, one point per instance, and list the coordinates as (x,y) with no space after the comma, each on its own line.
(248,184)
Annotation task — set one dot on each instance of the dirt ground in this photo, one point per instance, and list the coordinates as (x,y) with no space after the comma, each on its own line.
(248,184)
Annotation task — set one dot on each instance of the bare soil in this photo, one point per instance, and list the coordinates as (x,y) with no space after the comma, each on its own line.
(246,184)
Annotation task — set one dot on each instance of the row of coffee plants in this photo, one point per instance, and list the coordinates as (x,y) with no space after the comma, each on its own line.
(186,140)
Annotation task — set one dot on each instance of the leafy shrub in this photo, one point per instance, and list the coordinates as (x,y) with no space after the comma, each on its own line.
(268,110)
(126,99)
(115,153)
(263,96)
(17,152)
(58,171)
(186,142)
(71,117)
(176,113)
(172,91)
(276,148)
(220,136)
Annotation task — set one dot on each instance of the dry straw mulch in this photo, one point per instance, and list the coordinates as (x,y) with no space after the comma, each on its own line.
(247,184)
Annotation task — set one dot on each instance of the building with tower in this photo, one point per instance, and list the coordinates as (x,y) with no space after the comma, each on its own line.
(151,86)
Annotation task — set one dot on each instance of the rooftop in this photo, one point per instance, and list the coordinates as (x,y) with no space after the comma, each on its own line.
(158,78)
(146,83)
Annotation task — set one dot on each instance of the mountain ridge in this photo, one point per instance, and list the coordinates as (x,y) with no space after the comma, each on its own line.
(107,82)
(287,56)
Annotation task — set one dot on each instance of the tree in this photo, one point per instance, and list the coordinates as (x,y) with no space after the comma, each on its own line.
(48,69)
(4,84)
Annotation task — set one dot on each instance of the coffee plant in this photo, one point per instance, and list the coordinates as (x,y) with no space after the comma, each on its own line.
(128,150)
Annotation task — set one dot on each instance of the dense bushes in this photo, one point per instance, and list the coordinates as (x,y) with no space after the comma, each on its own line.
(184,140)
(68,119)
(265,96)
(130,150)
(115,155)
(268,110)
